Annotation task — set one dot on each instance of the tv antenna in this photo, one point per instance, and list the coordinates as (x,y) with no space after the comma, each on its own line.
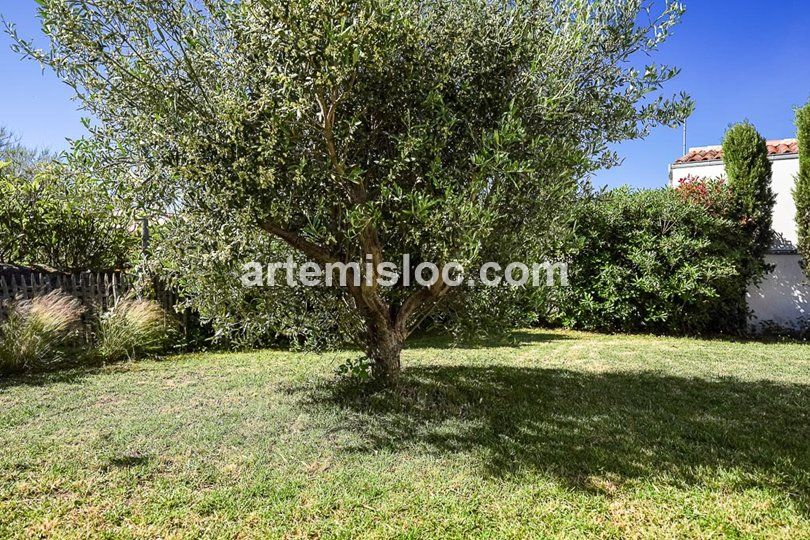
(684,138)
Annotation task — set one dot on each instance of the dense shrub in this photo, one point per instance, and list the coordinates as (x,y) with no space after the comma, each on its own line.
(654,261)
(56,216)
(132,329)
(35,330)
(801,193)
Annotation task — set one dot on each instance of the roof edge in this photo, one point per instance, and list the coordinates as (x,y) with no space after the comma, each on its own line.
(714,153)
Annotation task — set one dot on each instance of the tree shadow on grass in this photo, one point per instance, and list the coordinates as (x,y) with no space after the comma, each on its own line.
(73,375)
(577,426)
(70,372)
(513,339)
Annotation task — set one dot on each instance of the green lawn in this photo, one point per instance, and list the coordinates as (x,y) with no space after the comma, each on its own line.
(558,434)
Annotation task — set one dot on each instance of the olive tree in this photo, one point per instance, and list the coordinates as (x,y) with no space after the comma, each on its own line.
(450,130)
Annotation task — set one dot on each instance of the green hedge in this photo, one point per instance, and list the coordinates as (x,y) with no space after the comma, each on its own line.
(654,261)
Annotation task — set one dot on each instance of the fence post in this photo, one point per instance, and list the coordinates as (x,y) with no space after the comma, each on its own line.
(115,287)
(23,288)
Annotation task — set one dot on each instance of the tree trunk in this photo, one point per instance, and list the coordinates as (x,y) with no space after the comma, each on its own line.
(385,348)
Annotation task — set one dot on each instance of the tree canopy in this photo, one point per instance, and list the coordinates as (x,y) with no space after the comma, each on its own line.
(451,130)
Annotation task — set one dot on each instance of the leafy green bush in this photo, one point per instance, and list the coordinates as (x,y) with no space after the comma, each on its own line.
(132,329)
(653,261)
(801,193)
(54,215)
(35,330)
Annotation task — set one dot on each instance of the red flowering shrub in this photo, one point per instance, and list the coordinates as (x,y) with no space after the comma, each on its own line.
(714,194)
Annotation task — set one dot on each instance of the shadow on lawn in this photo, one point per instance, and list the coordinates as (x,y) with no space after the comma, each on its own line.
(72,375)
(513,339)
(64,373)
(584,428)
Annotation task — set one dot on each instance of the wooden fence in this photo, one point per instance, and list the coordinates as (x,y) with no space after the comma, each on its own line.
(97,291)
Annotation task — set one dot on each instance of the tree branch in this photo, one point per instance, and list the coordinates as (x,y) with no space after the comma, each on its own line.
(414,302)
(310,249)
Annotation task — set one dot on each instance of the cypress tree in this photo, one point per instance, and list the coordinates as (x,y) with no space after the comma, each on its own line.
(745,154)
(801,192)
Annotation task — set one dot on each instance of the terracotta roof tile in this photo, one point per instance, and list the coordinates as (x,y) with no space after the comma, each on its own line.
(715,153)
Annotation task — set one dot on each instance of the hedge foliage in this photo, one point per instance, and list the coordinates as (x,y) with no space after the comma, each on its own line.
(676,261)
(657,261)
(53,215)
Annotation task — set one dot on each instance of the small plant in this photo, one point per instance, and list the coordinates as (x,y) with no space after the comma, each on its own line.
(131,329)
(356,369)
(36,329)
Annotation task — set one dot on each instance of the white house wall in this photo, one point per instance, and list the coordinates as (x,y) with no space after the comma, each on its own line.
(783,298)
(703,169)
(784,213)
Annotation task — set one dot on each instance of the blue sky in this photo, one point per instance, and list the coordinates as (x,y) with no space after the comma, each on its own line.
(741,59)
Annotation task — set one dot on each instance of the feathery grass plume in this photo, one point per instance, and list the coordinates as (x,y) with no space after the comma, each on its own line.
(132,329)
(35,330)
